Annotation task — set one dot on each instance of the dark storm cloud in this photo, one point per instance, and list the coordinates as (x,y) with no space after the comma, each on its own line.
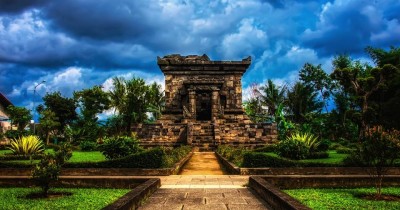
(75,44)
(18,6)
(350,26)
(104,19)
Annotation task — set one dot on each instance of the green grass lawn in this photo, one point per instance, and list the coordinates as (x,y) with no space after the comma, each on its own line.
(84,198)
(334,158)
(79,156)
(5,151)
(343,198)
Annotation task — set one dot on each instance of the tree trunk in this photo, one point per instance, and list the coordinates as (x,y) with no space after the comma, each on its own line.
(47,138)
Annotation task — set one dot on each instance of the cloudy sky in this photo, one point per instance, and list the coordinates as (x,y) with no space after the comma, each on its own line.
(76,44)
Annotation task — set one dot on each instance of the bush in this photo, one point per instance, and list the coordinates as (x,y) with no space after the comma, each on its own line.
(49,167)
(46,172)
(152,158)
(175,155)
(310,141)
(267,148)
(324,145)
(21,157)
(118,147)
(88,146)
(258,159)
(379,149)
(292,149)
(333,146)
(15,134)
(234,155)
(26,145)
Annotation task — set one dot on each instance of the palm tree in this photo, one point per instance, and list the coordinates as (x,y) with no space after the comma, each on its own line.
(272,96)
(302,101)
(118,94)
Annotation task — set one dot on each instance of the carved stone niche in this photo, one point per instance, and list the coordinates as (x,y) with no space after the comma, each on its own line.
(195,86)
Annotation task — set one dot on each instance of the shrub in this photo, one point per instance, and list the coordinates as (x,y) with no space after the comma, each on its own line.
(15,134)
(312,142)
(267,148)
(48,169)
(46,172)
(234,155)
(172,156)
(152,158)
(258,159)
(379,149)
(27,145)
(324,145)
(88,145)
(292,149)
(118,147)
(334,146)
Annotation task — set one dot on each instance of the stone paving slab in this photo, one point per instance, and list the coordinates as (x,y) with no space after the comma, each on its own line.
(204,198)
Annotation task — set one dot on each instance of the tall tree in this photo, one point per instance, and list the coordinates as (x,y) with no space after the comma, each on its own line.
(48,123)
(118,94)
(63,108)
(132,99)
(272,96)
(156,100)
(302,101)
(361,81)
(316,79)
(91,101)
(19,116)
(387,99)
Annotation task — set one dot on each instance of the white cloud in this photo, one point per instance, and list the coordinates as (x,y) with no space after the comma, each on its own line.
(245,41)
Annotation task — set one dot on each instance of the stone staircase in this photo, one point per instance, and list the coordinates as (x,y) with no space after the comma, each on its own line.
(203,137)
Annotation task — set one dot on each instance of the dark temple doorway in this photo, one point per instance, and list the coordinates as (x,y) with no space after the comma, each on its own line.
(203,106)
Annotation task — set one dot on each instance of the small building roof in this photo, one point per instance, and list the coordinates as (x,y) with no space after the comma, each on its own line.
(4,100)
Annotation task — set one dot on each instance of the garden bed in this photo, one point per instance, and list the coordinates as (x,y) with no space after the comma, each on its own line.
(152,162)
(332,170)
(105,171)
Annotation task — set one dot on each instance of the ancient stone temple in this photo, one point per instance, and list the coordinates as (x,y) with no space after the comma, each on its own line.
(204,106)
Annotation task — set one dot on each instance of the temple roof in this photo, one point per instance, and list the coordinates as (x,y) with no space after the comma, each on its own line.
(177,59)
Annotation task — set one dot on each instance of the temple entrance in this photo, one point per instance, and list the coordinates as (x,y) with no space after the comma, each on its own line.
(203,106)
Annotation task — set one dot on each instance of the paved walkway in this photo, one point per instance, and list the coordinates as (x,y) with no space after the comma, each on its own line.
(202,163)
(209,191)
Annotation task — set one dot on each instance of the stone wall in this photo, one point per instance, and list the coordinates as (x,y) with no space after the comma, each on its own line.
(250,135)
(161,135)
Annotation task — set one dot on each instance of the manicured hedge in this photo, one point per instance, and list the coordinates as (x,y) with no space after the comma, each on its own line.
(20,157)
(259,159)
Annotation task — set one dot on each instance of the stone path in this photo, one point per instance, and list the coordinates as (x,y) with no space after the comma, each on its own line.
(204,192)
(202,163)
(211,192)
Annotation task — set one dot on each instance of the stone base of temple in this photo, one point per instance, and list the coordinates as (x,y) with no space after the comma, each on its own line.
(206,135)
